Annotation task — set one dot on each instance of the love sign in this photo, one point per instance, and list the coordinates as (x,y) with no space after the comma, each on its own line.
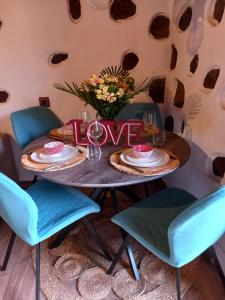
(126,131)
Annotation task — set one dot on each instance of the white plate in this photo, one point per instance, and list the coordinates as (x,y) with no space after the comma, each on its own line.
(67,153)
(152,158)
(160,159)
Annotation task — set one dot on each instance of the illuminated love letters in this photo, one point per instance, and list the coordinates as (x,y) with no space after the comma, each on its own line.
(126,131)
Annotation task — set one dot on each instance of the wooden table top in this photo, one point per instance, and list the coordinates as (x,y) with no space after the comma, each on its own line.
(101,173)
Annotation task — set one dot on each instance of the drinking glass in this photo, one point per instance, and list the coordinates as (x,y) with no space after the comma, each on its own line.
(94,132)
(84,115)
(93,152)
(150,121)
(159,138)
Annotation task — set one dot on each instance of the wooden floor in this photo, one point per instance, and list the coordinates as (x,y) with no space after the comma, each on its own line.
(18,281)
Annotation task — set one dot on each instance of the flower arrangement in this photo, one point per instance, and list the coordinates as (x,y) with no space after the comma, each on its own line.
(107,93)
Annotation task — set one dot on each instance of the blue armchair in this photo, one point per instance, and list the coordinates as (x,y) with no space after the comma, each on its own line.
(32,123)
(41,211)
(174,226)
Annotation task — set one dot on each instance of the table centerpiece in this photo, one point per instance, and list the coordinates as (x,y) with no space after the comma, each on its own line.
(108,92)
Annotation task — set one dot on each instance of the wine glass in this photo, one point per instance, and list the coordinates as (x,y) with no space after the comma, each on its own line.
(95,130)
(84,115)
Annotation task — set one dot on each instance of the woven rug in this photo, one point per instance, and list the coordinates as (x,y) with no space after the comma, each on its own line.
(77,270)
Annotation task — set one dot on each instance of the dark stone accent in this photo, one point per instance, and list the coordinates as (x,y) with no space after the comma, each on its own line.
(159,27)
(180,95)
(3,96)
(211,78)
(0,24)
(182,126)
(219,10)
(185,19)
(219,166)
(157,89)
(74,9)
(58,58)
(130,60)
(173,59)
(122,9)
(194,64)
(169,123)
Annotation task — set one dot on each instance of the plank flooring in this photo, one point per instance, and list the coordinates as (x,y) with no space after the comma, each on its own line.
(18,281)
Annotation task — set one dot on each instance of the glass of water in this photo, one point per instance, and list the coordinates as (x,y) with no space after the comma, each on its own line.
(94,132)
(159,138)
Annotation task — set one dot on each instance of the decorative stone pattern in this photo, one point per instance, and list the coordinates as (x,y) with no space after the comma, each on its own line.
(219,166)
(74,9)
(216,12)
(122,9)
(159,27)
(173,59)
(195,37)
(194,64)
(3,96)
(57,58)
(130,60)
(169,123)
(211,78)
(157,89)
(185,19)
(180,95)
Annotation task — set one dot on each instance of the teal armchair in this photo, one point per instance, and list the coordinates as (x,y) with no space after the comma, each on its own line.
(32,123)
(173,225)
(42,210)
(137,110)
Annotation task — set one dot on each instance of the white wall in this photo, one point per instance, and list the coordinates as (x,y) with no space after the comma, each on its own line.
(32,30)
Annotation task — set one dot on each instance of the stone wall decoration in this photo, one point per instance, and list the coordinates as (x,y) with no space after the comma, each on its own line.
(179,97)
(57,58)
(3,96)
(194,64)
(99,4)
(216,12)
(219,166)
(0,23)
(129,61)
(169,123)
(74,7)
(195,37)
(157,89)
(185,19)
(211,78)
(173,59)
(122,9)
(159,27)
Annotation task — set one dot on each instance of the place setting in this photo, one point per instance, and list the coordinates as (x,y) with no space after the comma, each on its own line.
(144,160)
(53,156)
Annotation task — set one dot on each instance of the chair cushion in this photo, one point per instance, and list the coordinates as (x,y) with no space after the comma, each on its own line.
(59,206)
(148,220)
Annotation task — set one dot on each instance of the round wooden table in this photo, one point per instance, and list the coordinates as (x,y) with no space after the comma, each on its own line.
(101,174)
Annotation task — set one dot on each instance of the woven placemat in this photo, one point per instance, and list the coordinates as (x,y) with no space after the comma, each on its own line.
(31,165)
(57,135)
(168,167)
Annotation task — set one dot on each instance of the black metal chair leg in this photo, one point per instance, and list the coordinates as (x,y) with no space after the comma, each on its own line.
(97,238)
(178,283)
(146,189)
(9,250)
(117,257)
(34,179)
(61,236)
(103,198)
(96,193)
(114,200)
(38,271)
(132,261)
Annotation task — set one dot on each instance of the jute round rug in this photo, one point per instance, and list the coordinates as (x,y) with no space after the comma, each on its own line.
(76,269)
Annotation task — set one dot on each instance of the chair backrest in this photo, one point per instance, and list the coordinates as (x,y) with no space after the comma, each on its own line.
(137,110)
(197,228)
(18,210)
(31,123)
(7,162)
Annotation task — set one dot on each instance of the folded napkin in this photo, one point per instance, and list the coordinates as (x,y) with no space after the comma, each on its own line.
(168,167)
(31,165)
